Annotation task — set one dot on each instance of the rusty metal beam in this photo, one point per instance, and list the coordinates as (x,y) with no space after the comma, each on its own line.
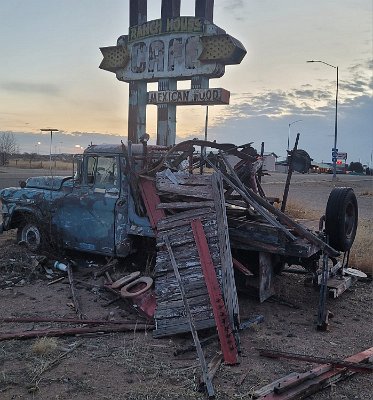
(137,90)
(354,366)
(318,378)
(227,341)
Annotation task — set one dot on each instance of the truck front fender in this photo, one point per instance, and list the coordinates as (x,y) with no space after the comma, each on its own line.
(17,215)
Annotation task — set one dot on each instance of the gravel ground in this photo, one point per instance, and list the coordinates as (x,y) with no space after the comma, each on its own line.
(136,366)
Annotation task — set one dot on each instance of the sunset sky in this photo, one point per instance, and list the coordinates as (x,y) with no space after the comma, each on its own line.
(49,75)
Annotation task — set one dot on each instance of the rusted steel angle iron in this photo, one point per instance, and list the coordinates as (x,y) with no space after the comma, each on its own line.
(227,341)
(303,385)
(336,363)
(151,201)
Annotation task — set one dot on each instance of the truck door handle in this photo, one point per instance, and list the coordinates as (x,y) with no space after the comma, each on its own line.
(114,191)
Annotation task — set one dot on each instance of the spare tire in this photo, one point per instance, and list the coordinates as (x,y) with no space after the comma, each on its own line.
(341,218)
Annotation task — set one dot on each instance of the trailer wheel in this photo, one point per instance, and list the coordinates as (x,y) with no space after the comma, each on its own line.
(341,218)
(31,236)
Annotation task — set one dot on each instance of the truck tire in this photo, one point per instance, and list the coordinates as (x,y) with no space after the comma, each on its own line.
(31,236)
(341,218)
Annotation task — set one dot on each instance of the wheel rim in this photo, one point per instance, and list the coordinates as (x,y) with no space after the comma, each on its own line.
(350,220)
(31,236)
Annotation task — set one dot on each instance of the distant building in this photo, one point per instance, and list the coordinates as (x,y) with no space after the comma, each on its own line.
(269,162)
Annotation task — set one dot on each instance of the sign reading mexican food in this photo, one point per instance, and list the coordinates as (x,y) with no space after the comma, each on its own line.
(190,97)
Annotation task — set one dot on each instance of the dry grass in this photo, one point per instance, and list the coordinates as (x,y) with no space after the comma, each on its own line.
(361,256)
(44,345)
(366,193)
(38,164)
(298,211)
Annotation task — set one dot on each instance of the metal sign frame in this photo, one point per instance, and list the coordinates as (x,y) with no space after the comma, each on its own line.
(167,50)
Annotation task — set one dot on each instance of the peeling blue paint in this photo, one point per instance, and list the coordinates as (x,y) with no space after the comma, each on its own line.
(95,212)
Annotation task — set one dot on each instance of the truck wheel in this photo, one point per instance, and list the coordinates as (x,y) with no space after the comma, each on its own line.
(341,218)
(30,235)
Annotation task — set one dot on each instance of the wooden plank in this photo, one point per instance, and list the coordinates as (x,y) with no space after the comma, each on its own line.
(249,198)
(228,282)
(180,327)
(193,329)
(186,215)
(202,192)
(184,205)
(186,179)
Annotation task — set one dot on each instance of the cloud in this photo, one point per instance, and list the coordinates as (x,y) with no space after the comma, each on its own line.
(31,88)
(235,7)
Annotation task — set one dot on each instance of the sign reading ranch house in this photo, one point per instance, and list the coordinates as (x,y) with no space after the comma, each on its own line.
(190,97)
(169,25)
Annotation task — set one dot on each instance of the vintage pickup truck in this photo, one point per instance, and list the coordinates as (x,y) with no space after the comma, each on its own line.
(99,208)
(92,211)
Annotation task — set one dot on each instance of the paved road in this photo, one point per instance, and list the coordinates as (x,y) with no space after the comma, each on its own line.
(313,190)
(10,176)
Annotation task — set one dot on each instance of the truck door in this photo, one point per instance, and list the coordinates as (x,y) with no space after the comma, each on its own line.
(87,215)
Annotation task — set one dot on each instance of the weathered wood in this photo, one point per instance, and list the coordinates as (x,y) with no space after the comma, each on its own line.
(183,205)
(185,216)
(186,179)
(193,301)
(228,283)
(202,192)
(72,331)
(179,326)
(66,320)
(73,295)
(283,218)
(213,367)
(193,329)
(248,197)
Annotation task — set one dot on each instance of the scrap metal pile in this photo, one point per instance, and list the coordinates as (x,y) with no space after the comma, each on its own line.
(242,229)
(217,234)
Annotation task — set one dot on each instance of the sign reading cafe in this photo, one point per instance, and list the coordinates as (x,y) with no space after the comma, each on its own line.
(178,48)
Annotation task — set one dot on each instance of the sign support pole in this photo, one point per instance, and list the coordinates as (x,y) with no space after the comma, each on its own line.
(137,90)
(166,121)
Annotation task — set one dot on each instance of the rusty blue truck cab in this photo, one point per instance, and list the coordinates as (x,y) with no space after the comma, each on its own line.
(94,211)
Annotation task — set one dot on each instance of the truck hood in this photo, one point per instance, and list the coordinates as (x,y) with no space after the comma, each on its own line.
(47,182)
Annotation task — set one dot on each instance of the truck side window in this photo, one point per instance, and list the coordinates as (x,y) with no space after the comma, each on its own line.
(107,172)
(91,168)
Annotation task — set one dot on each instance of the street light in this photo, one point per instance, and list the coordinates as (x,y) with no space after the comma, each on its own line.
(51,130)
(334,150)
(39,143)
(291,123)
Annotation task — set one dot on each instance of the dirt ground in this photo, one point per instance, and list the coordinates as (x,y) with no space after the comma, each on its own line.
(134,365)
